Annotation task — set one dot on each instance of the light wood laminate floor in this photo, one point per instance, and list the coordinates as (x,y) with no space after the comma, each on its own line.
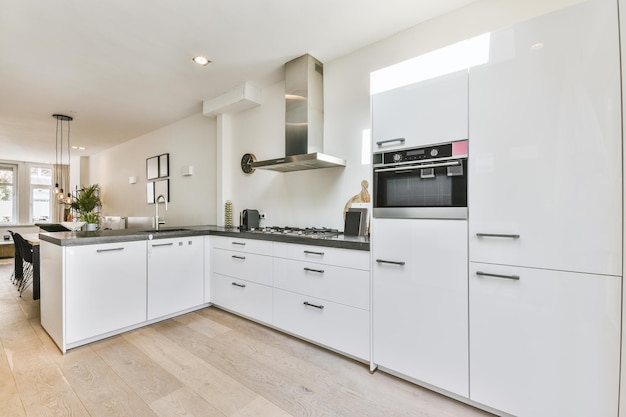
(203,364)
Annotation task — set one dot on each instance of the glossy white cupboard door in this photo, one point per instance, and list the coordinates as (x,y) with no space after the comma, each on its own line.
(420,300)
(105,288)
(423,113)
(175,275)
(545,144)
(545,344)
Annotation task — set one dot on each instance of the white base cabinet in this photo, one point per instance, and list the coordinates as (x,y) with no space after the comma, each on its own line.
(322,294)
(175,275)
(420,300)
(105,288)
(546,344)
(241,276)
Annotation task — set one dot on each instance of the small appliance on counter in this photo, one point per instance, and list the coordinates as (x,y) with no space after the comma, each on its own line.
(250,219)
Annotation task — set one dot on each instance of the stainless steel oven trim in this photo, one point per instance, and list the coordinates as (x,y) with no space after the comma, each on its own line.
(424,161)
(455,213)
(418,166)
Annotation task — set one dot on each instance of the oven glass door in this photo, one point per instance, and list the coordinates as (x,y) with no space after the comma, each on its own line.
(439,192)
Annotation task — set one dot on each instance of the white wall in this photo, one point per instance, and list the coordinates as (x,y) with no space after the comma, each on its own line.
(190,141)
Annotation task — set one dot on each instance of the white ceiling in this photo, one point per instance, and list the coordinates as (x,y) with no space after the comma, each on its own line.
(122,68)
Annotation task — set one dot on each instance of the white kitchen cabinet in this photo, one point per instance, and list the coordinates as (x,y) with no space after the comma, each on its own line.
(420,300)
(337,326)
(545,343)
(241,276)
(424,113)
(175,275)
(105,289)
(247,298)
(207,269)
(545,144)
(339,284)
(323,294)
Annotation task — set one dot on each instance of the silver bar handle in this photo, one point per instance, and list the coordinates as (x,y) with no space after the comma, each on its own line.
(108,250)
(309,252)
(424,166)
(383,261)
(306,303)
(383,142)
(239,257)
(487,274)
(239,243)
(319,271)
(162,244)
(508,236)
(238,285)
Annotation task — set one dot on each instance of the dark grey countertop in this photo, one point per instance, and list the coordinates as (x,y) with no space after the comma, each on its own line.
(129,235)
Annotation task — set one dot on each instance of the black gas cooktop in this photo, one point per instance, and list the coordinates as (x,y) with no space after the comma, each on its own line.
(312,232)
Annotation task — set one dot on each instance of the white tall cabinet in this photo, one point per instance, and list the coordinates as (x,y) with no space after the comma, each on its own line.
(420,300)
(545,216)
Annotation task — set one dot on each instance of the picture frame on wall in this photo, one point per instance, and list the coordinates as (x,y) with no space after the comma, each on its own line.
(150,192)
(152,168)
(162,187)
(164,165)
(157,188)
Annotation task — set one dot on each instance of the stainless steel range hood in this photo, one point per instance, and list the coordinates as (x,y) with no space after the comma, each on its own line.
(304,120)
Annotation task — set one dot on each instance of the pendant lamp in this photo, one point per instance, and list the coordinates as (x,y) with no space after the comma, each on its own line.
(59,178)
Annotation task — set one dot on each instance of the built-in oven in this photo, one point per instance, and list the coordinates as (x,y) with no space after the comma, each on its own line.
(424,182)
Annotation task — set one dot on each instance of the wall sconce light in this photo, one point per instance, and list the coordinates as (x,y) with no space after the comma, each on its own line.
(132,180)
(187,171)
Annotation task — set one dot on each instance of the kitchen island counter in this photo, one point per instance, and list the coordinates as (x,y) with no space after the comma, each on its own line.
(130,235)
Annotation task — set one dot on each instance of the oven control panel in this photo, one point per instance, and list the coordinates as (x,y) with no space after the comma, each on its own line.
(413,154)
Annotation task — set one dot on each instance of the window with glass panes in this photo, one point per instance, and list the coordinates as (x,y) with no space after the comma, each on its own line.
(40,194)
(8,192)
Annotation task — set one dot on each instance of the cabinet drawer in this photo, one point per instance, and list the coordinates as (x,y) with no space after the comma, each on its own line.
(242,297)
(336,326)
(341,285)
(320,254)
(248,266)
(261,247)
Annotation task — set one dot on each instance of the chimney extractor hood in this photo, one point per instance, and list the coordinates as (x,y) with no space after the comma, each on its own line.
(304,120)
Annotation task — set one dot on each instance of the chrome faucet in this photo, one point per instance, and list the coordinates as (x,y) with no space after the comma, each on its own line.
(156,210)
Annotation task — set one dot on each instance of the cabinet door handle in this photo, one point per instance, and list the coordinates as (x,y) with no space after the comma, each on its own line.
(321,307)
(310,252)
(383,261)
(239,257)
(486,274)
(239,243)
(320,271)
(162,244)
(497,235)
(382,142)
(238,285)
(108,250)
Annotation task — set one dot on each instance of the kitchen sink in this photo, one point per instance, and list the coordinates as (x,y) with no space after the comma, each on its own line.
(165,230)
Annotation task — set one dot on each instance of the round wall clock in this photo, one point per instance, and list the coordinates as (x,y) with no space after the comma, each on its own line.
(246,163)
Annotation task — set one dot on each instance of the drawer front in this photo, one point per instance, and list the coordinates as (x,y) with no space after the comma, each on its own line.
(242,297)
(341,285)
(336,326)
(348,258)
(248,266)
(260,247)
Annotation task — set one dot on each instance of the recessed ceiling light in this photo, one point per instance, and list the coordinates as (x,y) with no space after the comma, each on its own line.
(200,60)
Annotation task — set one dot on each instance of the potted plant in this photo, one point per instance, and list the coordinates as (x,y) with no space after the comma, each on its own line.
(85,204)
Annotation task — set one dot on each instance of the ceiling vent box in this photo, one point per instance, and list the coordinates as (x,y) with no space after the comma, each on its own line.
(240,98)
